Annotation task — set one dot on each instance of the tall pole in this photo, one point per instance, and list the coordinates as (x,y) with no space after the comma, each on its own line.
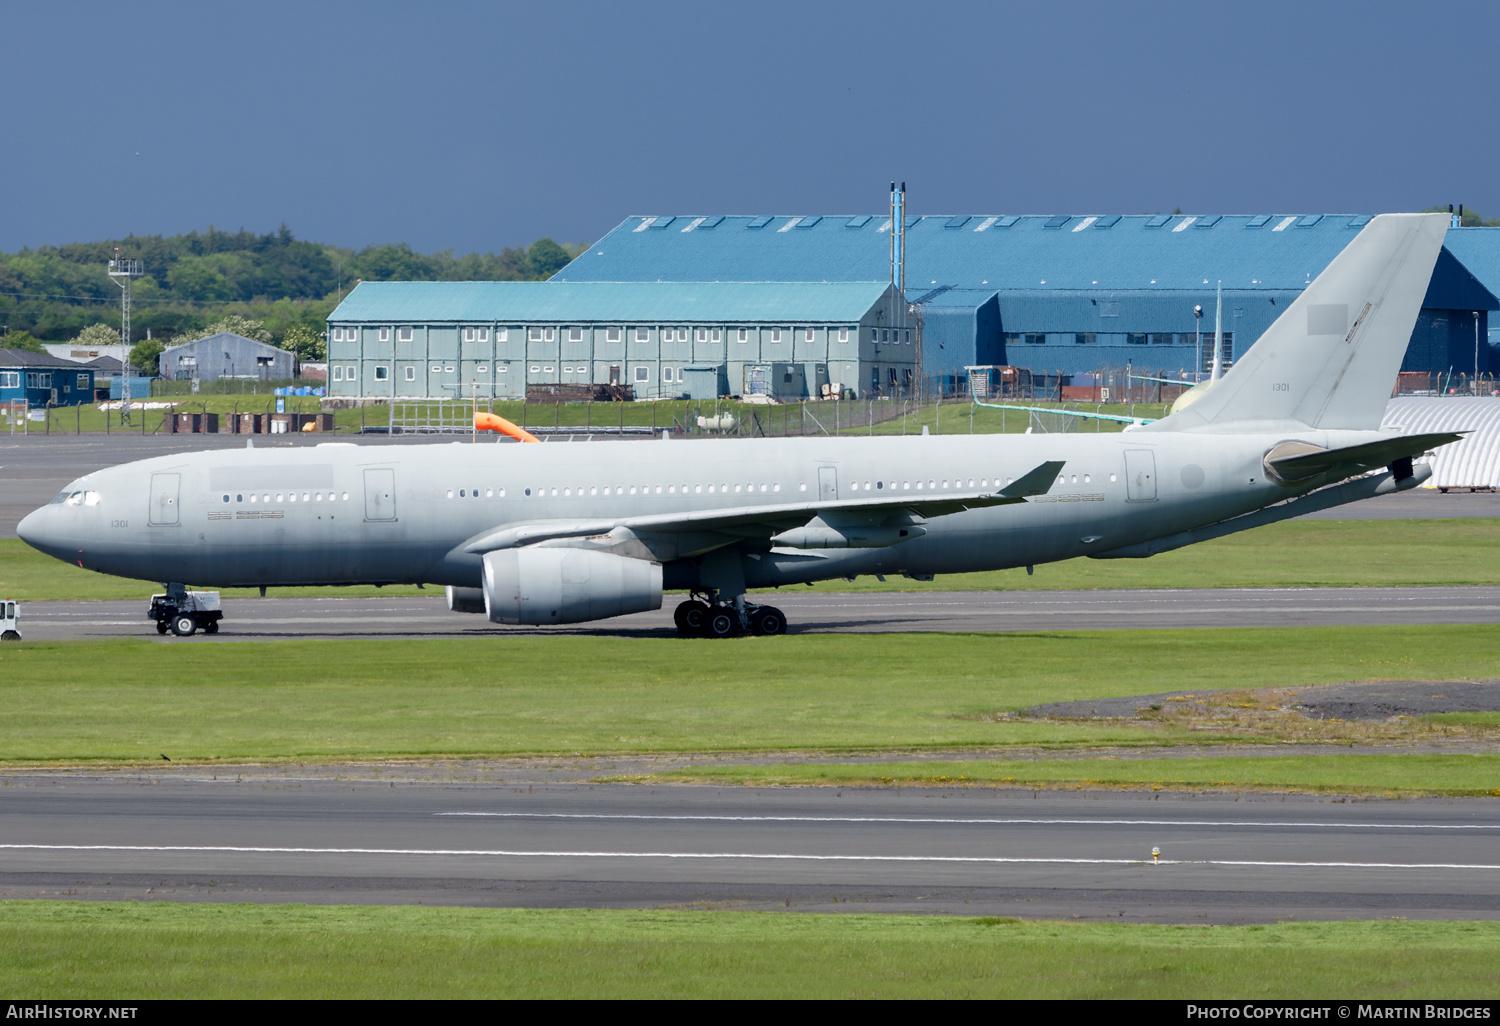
(1198,345)
(122,271)
(1218,335)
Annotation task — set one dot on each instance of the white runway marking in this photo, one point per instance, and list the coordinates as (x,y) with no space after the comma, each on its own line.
(727,855)
(979,822)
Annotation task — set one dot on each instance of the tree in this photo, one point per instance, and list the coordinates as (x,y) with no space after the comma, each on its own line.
(21,340)
(306,343)
(242,326)
(143,355)
(546,258)
(96,335)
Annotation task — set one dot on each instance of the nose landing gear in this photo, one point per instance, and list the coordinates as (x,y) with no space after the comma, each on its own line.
(713,618)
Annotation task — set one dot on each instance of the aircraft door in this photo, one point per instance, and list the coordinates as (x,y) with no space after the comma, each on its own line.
(1140,475)
(828,483)
(163,511)
(380,494)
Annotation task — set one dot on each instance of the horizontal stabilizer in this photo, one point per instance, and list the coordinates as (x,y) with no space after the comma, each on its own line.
(1297,462)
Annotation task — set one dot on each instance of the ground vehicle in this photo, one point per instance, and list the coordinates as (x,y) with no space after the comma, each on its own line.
(9,631)
(185,612)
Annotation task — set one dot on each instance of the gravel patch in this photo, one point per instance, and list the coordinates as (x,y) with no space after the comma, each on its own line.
(1378,700)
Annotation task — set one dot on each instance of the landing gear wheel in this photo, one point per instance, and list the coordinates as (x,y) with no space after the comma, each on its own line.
(690,617)
(183,625)
(161,626)
(721,623)
(768,620)
(212,627)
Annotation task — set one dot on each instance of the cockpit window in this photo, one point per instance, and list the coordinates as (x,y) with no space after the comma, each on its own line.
(61,498)
(91,498)
(77,498)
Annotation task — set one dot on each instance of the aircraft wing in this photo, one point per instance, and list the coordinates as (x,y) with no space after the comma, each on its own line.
(768,520)
(1353,459)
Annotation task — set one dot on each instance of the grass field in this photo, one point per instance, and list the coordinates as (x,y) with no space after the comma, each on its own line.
(1375,774)
(131,951)
(1309,553)
(363,699)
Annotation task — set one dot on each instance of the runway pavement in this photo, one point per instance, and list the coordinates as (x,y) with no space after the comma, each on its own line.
(34,469)
(815,613)
(270,838)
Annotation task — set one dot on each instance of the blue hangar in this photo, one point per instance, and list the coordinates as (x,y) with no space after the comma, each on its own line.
(1064,294)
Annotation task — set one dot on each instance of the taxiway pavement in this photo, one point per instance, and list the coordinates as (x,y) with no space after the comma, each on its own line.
(180,835)
(816,613)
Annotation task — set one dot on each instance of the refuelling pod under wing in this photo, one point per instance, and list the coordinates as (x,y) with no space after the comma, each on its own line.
(465,600)
(537,586)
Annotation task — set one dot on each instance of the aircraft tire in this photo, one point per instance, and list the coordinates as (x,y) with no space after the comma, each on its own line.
(161,626)
(768,621)
(183,625)
(721,623)
(690,617)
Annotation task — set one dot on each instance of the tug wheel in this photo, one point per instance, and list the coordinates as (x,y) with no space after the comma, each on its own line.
(184,625)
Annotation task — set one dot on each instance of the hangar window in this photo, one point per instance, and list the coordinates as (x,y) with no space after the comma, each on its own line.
(501,368)
(775,334)
(874,335)
(700,335)
(1135,338)
(549,334)
(403,334)
(382,372)
(744,335)
(1187,338)
(349,374)
(437,368)
(643,334)
(642,374)
(1084,338)
(611,334)
(338,372)
(481,334)
(547,369)
(385,334)
(843,334)
(1161,338)
(807,334)
(468,334)
(448,369)
(411,373)
(535,369)
(718,335)
(1035,338)
(533,334)
(502,334)
(575,334)
(10,379)
(483,368)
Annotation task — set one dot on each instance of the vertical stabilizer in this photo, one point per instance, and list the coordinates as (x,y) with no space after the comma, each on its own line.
(1331,359)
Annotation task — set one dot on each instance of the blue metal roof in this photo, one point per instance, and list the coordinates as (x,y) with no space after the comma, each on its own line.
(728,302)
(1274,252)
(1478,249)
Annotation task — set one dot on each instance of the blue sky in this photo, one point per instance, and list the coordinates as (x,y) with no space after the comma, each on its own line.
(475,126)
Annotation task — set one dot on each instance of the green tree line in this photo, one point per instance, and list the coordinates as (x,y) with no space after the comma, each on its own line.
(197,280)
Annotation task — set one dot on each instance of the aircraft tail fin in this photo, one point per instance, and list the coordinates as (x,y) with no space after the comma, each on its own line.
(1331,359)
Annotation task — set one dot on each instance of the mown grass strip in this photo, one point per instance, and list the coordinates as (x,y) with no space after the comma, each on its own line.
(137,951)
(1403,774)
(127,701)
(1295,554)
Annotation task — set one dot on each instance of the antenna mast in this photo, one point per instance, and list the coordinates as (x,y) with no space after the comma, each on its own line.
(122,270)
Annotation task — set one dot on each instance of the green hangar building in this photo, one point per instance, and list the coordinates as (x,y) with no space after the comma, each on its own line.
(660,339)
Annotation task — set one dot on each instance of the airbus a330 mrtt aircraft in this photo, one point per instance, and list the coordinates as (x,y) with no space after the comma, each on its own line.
(555,534)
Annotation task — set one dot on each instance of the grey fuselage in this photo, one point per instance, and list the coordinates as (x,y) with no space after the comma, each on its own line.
(339,514)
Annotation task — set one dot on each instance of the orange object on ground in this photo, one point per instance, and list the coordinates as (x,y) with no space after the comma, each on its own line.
(494,422)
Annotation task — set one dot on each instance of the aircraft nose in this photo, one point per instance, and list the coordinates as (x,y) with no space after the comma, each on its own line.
(39,529)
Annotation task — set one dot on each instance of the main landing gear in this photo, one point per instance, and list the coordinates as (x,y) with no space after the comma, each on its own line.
(706,616)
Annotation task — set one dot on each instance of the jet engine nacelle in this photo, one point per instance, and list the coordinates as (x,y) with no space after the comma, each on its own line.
(465,600)
(544,585)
